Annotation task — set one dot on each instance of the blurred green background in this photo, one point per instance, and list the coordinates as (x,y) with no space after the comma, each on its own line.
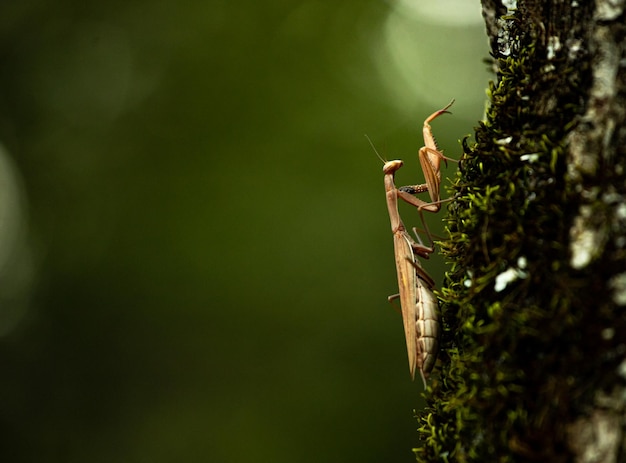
(195,251)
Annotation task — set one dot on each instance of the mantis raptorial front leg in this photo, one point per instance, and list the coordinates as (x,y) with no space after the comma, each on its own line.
(430,157)
(417,301)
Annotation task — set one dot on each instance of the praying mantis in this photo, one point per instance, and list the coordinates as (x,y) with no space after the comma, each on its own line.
(417,301)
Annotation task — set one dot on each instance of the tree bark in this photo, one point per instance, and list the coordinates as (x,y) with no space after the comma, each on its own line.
(533,359)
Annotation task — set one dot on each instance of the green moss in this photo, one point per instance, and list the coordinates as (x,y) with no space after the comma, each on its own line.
(501,390)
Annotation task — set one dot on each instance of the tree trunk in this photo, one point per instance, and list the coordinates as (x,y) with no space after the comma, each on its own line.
(533,359)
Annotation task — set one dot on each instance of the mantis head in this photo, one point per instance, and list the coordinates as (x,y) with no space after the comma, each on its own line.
(391,166)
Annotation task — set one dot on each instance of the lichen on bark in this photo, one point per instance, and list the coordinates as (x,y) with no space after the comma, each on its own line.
(533,307)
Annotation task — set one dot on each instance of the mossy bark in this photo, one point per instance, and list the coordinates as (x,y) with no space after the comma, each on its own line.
(533,359)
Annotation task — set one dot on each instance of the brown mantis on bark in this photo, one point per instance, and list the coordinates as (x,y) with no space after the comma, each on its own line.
(418,303)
